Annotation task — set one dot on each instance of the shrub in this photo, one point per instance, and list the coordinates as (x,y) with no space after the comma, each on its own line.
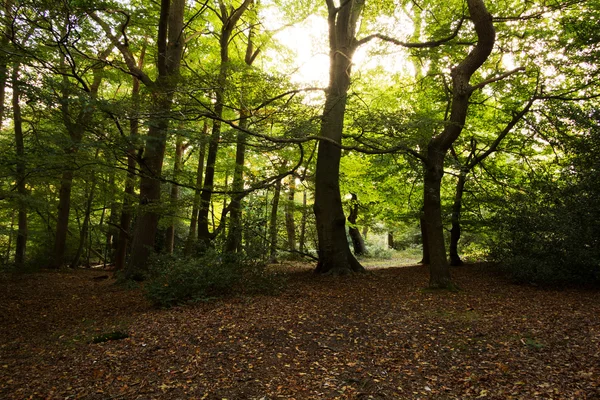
(174,280)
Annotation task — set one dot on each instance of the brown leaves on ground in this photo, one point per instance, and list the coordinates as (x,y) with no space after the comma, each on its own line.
(371,336)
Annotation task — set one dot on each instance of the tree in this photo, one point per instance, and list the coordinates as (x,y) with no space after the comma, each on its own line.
(229,19)
(439,145)
(334,252)
(169,43)
(357,239)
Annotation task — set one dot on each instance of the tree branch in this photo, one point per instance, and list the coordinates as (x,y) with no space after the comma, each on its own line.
(423,45)
(481,85)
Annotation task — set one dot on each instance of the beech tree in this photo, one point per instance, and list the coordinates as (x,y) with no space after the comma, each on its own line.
(334,253)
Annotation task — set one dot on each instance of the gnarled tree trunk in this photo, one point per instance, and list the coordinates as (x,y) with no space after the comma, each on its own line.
(357,239)
(439,145)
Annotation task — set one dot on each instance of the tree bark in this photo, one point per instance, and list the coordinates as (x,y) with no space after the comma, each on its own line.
(335,256)
(20,168)
(357,239)
(437,148)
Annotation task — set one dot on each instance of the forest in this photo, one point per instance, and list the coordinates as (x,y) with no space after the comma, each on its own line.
(161,153)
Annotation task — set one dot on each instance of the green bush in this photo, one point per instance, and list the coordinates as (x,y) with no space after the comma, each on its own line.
(175,280)
(549,242)
(379,252)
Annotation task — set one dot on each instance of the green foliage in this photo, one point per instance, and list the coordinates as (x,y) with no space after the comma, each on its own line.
(175,280)
(550,233)
(378,252)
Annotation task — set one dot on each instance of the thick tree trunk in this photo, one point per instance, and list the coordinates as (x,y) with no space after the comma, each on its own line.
(335,256)
(170,235)
(290,207)
(20,170)
(148,212)
(357,239)
(438,264)
(273,222)
(191,239)
(456,229)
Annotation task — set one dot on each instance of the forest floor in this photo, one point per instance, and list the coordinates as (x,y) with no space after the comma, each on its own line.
(378,335)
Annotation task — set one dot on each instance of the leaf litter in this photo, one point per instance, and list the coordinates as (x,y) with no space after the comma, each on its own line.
(370,336)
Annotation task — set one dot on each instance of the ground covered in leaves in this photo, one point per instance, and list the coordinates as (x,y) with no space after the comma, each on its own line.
(372,336)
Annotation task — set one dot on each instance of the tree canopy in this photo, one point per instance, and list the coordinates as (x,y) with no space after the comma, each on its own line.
(131,129)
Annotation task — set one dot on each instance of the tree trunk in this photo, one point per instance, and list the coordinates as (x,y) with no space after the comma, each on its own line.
(234,237)
(5,55)
(189,245)
(75,128)
(437,148)
(86,222)
(170,49)
(438,264)
(170,235)
(456,229)
(335,256)
(111,230)
(62,220)
(273,222)
(20,170)
(357,239)
(289,215)
(229,20)
(128,195)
